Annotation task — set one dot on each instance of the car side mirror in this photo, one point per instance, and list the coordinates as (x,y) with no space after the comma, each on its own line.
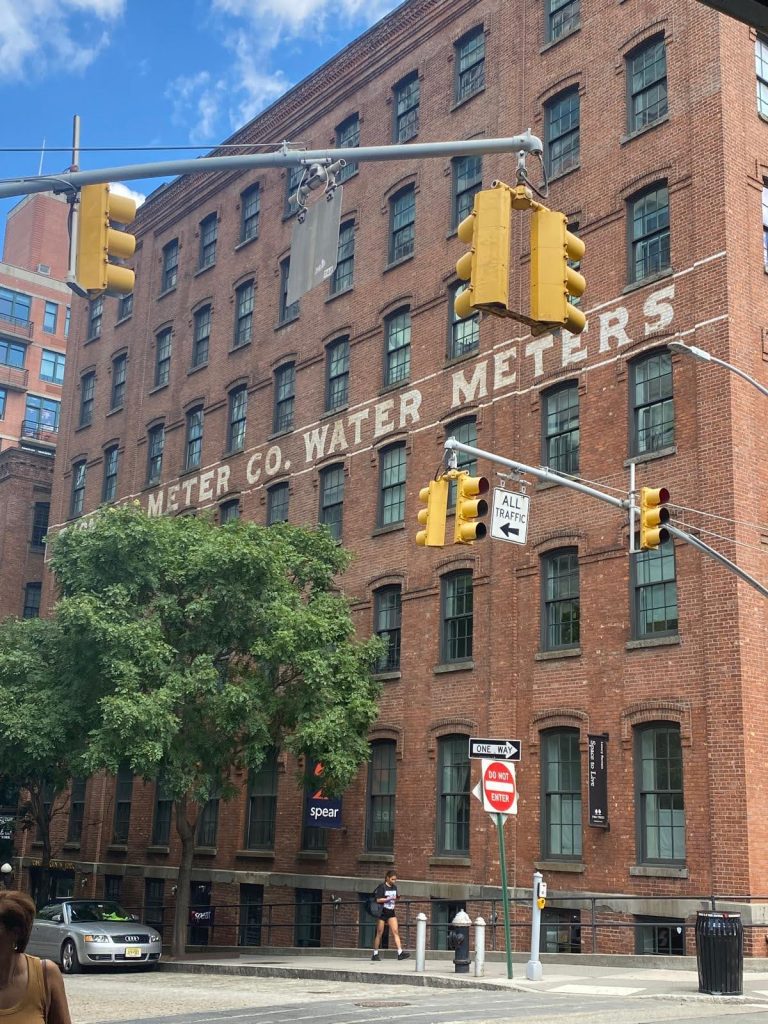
(134,917)
(57,918)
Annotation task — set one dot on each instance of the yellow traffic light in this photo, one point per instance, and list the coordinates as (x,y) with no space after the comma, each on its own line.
(97,241)
(653,515)
(486,265)
(469,506)
(432,517)
(552,280)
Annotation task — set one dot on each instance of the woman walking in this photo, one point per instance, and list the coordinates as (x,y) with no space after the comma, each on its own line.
(386,895)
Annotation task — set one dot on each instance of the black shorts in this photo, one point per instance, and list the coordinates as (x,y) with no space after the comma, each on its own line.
(387,915)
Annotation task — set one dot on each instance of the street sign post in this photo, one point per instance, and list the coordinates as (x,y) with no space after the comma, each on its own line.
(509,518)
(499,787)
(499,820)
(505,750)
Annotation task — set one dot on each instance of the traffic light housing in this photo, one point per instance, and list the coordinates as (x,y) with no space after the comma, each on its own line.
(98,241)
(469,507)
(432,517)
(653,515)
(552,280)
(486,266)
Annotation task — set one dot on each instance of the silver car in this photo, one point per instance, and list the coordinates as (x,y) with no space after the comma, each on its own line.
(83,933)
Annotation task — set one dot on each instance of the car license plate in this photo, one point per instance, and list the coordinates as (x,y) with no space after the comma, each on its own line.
(132,952)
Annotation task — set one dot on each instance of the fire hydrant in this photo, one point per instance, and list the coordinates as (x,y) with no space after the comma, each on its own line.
(458,941)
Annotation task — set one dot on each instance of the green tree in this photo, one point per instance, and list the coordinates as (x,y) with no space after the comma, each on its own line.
(233,639)
(42,735)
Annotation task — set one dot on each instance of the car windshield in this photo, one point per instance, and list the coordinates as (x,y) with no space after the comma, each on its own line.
(97,910)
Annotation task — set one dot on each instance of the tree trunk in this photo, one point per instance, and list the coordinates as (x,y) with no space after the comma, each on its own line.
(186,832)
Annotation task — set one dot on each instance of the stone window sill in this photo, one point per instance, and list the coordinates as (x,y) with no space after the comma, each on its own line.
(376,858)
(256,854)
(443,860)
(572,867)
(566,652)
(158,848)
(673,640)
(454,666)
(658,871)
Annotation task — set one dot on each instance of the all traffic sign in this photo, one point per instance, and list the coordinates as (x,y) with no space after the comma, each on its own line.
(499,787)
(509,519)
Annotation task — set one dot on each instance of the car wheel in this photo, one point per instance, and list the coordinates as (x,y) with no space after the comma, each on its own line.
(70,964)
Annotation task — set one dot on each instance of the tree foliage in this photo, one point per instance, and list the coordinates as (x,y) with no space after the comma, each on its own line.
(221,642)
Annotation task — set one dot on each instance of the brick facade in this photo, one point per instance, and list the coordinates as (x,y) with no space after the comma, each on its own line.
(704,676)
(33,340)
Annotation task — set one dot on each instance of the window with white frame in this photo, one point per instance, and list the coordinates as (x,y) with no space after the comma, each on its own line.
(52,366)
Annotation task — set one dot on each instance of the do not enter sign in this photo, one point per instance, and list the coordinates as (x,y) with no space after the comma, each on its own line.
(499,787)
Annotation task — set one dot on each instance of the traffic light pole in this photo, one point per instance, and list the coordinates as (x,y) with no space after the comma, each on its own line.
(542,473)
(284,157)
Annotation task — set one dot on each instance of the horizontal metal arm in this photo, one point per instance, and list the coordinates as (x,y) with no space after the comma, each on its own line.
(71,181)
(541,472)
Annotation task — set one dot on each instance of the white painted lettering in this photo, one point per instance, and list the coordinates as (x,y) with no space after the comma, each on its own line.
(537,348)
(501,374)
(382,417)
(252,469)
(355,420)
(410,403)
(338,438)
(314,443)
(206,481)
(173,492)
(155,504)
(467,391)
(572,350)
(187,486)
(222,480)
(655,306)
(612,326)
(273,460)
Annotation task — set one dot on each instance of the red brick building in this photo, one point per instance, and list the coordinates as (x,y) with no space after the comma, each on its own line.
(34,322)
(205,391)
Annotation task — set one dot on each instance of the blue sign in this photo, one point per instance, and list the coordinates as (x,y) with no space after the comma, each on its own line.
(322,811)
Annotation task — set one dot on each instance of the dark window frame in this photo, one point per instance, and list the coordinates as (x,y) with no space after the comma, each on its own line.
(121,821)
(470,67)
(344,272)
(397,346)
(111,469)
(639,61)
(654,592)
(286,313)
(667,764)
(245,301)
(278,497)
(381,797)
(163,348)
(392,481)
(79,480)
(33,592)
(563,131)
(40,519)
(563,17)
(348,137)
(649,233)
(170,266)
(201,335)
(237,419)
(337,374)
(261,804)
(119,378)
(453,810)
(466,182)
(406,104)
(284,405)
(456,617)
(560,429)
(209,235)
(463,333)
(193,444)
(332,486)
(561,786)
(652,403)
(402,224)
(77,794)
(250,212)
(155,452)
(87,395)
(388,620)
(561,600)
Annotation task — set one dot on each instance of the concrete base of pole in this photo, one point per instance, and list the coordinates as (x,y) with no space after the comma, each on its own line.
(533,970)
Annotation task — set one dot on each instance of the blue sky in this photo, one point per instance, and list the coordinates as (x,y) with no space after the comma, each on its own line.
(166,73)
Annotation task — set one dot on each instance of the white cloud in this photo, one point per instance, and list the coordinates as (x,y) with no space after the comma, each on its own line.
(254,31)
(37,36)
(124,190)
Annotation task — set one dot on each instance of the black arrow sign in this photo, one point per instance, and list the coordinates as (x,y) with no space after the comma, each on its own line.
(506,529)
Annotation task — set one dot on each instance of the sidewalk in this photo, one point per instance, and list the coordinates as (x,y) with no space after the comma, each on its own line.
(626,976)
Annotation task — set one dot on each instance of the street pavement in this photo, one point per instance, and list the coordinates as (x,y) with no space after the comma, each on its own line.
(583,976)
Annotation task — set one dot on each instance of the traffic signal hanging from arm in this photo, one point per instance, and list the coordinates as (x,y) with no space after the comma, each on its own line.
(486,266)
(467,527)
(653,515)
(432,517)
(98,241)
(553,281)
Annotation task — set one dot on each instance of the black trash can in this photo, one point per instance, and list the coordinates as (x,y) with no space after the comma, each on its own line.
(720,953)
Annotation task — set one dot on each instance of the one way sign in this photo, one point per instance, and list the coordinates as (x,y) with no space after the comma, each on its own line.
(506,750)
(510,516)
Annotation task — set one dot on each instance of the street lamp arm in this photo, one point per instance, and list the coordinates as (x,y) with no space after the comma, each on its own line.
(707,357)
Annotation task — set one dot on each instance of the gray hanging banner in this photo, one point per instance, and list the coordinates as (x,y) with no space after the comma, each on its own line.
(314,246)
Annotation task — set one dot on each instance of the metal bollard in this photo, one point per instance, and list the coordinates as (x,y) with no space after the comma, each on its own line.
(458,941)
(533,970)
(479,947)
(421,942)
